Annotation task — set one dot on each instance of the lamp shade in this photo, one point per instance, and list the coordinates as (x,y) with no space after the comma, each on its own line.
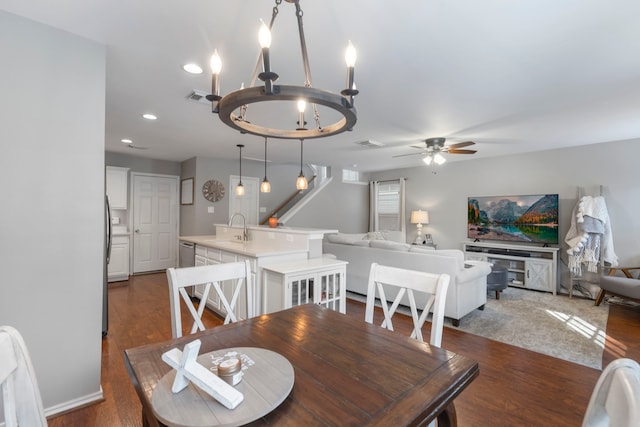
(419,217)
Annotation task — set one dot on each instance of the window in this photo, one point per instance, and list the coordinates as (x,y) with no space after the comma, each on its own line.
(389,206)
(351,177)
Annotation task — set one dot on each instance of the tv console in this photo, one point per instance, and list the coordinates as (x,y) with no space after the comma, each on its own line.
(528,267)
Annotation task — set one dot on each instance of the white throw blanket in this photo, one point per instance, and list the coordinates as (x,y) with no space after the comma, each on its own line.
(16,363)
(590,231)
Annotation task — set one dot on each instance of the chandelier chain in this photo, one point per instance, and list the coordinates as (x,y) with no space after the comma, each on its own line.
(305,62)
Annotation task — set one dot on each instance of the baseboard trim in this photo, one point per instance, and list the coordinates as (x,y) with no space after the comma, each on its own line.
(74,404)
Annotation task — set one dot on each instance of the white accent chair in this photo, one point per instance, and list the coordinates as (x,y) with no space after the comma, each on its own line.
(408,282)
(20,393)
(615,401)
(235,273)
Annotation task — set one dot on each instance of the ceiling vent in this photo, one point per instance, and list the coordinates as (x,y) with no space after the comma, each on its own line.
(199,96)
(370,144)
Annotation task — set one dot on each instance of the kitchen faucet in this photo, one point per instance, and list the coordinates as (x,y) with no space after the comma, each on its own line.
(245,232)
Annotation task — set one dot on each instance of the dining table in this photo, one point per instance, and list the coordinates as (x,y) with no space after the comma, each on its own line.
(345,372)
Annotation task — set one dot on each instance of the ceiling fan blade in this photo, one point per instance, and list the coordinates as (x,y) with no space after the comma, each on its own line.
(454,151)
(420,147)
(461,144)
(411,154)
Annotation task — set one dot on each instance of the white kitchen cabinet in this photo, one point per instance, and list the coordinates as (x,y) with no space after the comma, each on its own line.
(118,268)
(117,187)
(210,256)
(206,255)
(317,280)
(529,267)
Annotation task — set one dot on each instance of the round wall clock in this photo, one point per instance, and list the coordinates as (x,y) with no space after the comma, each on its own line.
(213,190)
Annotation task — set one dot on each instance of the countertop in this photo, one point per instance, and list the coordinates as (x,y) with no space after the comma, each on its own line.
(255,249)
(281,229)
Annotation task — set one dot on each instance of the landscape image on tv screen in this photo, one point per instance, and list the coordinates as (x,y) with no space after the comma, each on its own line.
(530,219)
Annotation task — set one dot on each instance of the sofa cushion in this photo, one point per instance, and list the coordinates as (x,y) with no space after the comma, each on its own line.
(456,253)
(387,244)
(360,243)
(422,249)
(345,238)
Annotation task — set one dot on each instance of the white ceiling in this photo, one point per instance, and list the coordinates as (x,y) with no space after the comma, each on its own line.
(512,75)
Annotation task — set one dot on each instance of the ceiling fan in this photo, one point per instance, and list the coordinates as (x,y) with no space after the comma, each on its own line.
(434,147)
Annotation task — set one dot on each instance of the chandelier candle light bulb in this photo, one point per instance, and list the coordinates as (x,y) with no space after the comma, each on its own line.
(268,77)
(302,105)
(350,58)
(216,67)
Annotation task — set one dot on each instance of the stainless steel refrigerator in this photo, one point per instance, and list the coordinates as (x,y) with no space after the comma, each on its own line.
(107,255)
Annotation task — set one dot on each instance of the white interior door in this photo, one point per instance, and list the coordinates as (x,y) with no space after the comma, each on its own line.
(247,205)
(154,222)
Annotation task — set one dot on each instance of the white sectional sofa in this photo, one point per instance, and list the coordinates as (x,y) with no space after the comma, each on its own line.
(468,286)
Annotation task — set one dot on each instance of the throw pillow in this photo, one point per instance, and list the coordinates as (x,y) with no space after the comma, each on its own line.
(376,235)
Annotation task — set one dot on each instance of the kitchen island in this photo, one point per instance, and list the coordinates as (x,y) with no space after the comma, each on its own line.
(264,246)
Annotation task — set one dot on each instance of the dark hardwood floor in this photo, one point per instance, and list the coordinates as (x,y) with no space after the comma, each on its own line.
(516,387)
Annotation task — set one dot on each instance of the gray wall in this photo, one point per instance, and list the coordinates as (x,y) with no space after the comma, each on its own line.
(196,220)
(562,171)
(52,229)
(140,164)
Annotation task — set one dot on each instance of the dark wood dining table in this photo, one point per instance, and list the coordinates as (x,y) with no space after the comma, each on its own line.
(347,372)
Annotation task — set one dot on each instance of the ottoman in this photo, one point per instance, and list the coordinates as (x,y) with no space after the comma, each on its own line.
(497,280)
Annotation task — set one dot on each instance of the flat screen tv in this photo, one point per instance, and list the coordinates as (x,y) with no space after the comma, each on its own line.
(527,219)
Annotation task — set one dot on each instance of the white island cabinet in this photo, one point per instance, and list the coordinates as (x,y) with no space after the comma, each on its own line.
(265,247)
(318,280)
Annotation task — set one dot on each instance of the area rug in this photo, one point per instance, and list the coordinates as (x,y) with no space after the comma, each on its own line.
(569,329)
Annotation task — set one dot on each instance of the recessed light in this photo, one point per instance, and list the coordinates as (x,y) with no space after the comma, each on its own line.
(127,141)
(192,68)
(149,116)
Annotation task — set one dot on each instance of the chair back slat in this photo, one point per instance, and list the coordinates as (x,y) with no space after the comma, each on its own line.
(214,277)
(615,400)
(408,283)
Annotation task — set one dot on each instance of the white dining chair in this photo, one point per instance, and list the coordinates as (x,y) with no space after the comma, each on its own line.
(20,393)
(615,401)
(235,274)
(408,282)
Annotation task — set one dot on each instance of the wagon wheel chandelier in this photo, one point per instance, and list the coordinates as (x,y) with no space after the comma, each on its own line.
(232,108)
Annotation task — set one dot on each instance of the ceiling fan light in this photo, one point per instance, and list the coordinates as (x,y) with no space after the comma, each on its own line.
(427,159)
(439,159)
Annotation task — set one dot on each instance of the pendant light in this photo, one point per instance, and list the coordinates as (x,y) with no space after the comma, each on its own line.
(240,187)
(265,186)
(301,183)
